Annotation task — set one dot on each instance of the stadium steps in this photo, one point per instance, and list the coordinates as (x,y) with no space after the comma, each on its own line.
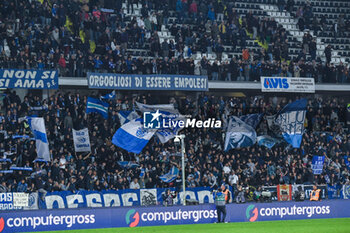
(290,24)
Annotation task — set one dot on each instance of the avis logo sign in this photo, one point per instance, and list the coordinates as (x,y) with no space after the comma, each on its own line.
(152,120)
(132,218)
(276,83)
(252,213)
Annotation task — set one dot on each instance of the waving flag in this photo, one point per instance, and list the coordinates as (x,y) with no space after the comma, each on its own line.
(239,134)
(291,121)
(165,111)
(96,105)
(127,164)
(109,96)
(153,108)
(267,141)
(132,136)
(37,125)
(252,119)
(170,176)
(126,116)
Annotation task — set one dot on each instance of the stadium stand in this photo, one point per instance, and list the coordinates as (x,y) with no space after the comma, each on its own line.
(207,164)
(238,41)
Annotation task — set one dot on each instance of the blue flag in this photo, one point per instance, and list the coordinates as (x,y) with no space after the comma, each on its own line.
(239,134)
(132,136)
(126,116)
(291,121)
(96,105)
(267,141)
(317,164)
(252,119)
(333,191)
(170,176)
(109,96)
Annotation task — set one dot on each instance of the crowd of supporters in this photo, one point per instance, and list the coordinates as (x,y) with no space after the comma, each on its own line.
(206,162)
(77,37)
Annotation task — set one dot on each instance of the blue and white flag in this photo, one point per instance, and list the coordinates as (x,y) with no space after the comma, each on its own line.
(317,164)
(109,96)
(166,111)
(152,108)
(239,134)
(37,125)
(165,134)
(126,116)
(291,121)
(81,140)
(345,192)
(132,136)
(267,141)
(252,119)
(96,105)
(127,164)
(170,176)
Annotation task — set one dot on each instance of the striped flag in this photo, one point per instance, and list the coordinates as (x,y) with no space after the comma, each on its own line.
(170,176)
(96,105)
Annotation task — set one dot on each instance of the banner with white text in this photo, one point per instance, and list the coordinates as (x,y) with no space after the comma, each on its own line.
(29,79)
(147,82)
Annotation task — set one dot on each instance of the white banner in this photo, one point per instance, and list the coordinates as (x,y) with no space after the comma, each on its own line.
(20,199)
(81,140)
(290,84)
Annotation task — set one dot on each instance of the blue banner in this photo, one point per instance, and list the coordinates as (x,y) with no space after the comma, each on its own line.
(28,79)
(333,191)
(127,197)
(148,82)
(94,218)
(317,164)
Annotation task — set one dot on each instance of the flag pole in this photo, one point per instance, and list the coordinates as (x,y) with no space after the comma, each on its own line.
(181,139)
(183,167)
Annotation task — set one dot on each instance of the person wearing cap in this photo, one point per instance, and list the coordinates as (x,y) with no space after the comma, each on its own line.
(220,204)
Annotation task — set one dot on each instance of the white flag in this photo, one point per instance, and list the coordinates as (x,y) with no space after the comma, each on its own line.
(81,140)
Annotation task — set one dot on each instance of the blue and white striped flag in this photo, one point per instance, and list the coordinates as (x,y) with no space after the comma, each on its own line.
(109,96)
(126,116)
(37,125)
(96,105)
(171,175)
(132,136)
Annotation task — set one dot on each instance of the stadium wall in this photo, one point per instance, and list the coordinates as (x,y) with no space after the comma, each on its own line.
(66,219)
